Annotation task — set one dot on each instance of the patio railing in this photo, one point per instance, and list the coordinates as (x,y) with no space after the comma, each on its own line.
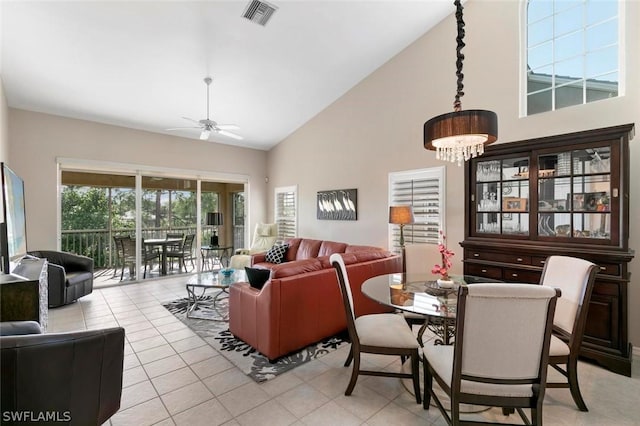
(98,244)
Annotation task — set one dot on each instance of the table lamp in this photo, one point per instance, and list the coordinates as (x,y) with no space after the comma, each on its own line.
(401,215)
(216,220)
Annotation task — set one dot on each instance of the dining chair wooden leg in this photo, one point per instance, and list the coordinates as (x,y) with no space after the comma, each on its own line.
(428,384)
(354,374)
(415,368)
(572,376)
(349,357)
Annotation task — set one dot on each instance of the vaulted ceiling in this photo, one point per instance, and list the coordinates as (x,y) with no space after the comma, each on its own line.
(141,64)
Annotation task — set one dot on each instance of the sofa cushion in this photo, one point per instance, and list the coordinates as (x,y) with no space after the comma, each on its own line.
(257,277)
(365,256)
(276,253)
(354,248)
(327,248)
(294,244)
(295,268)
(308,249)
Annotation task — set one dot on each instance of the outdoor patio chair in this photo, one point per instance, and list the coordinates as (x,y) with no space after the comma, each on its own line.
(148,255)
(184,253)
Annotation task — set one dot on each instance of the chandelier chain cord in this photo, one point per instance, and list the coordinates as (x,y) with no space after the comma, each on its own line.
(457,104)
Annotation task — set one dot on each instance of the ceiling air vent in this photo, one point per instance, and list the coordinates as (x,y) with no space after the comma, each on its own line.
(259,12)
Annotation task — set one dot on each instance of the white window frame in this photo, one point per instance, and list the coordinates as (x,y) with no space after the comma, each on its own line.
(278,215)
(428,223)
(524,60)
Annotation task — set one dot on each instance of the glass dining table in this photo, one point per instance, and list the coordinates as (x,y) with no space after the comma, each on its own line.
(420,294)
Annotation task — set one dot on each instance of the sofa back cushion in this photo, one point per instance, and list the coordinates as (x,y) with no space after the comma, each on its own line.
(295,268)
(292,251)
(354,248)
(308,249)
(327,248)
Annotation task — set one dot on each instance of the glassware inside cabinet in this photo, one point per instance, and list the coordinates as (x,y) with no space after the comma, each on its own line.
(515,223)
(487,171)
(591,193)
(488,223)
(488,196)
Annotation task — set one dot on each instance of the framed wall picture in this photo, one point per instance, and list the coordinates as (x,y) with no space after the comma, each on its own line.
(512,204)
(338,204)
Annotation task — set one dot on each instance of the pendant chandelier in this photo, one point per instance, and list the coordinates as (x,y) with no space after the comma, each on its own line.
(460,135)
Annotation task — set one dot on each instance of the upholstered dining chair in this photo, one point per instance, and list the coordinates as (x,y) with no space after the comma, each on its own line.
(501,351)
(575,278)
(419,260)
(384,334)
(264,237)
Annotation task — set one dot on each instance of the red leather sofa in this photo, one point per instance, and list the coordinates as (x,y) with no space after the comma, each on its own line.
(301,303)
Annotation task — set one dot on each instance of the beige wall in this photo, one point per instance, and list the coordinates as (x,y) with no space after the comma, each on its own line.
(376,127)
(38,139)
(4,125)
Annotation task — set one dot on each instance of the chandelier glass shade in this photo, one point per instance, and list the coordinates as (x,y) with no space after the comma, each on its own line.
(460,135)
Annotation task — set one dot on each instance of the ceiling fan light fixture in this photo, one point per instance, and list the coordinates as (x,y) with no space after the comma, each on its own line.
(205,134)
(460,135)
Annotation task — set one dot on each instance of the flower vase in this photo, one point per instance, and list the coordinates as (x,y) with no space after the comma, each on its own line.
(445,283)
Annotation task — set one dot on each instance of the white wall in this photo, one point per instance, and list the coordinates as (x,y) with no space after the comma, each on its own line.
(376,127)
(38,139)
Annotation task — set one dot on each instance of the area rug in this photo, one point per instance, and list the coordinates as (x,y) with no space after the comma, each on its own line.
(243,356)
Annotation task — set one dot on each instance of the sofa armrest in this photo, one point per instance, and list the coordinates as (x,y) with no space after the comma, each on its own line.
(258,258)
(77,263)
(57,280)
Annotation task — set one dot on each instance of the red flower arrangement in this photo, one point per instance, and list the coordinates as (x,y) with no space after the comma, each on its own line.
(446,254)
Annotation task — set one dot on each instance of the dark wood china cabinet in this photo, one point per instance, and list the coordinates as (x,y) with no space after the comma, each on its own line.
(558,195)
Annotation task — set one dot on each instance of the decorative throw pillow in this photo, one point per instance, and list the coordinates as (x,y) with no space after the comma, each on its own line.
(257,276)
(276,253)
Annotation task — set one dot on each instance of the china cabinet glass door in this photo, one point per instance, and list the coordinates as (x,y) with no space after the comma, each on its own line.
(574,194)
(502,196)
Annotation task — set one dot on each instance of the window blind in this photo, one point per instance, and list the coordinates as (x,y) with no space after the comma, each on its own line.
(286,211)
(424,190)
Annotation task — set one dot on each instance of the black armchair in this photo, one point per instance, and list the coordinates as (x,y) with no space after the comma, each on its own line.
(77,376)
(70,276)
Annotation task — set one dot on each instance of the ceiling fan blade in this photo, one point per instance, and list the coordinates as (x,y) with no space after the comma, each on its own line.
(182,128)
(191,119)
(227,127)
(205,134)
(230,134)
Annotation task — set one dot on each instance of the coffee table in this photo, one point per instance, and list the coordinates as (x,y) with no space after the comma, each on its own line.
(197,297)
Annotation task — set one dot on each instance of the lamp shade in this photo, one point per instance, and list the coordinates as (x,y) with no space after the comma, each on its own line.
(214,219)
(401,215)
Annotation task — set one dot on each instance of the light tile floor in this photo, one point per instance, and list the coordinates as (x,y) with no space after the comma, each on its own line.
(172,377)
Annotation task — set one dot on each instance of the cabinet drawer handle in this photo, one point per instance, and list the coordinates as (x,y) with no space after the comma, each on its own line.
(519,259)
(514,275)
(476,254)
(484,271)
(543,261)
(603,268)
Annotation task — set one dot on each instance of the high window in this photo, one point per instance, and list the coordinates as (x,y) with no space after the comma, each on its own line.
(286,211)
(424,190)
(572,53)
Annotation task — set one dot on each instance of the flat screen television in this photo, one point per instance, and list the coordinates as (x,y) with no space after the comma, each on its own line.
(13,230)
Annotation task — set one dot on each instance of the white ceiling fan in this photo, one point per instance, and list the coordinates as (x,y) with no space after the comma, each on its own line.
(207,125)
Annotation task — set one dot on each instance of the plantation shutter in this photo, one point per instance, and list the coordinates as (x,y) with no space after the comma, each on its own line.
(424,190)
(286,211)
